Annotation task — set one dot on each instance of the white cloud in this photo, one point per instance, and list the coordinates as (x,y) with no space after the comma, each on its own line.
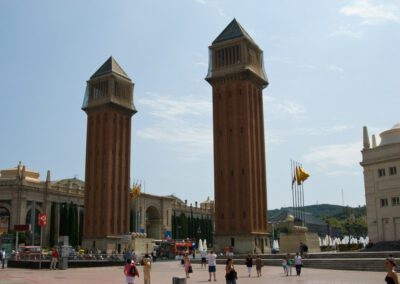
(308,66)
(335,68)
(176,127)
(316,131)
(372,13)
(335,156)
(287,107)
(347,31)
(170,108)
(203,2)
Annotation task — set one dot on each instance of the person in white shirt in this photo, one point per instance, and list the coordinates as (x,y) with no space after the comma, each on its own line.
(203,255)
(2,257)
(298,263)
(212,265)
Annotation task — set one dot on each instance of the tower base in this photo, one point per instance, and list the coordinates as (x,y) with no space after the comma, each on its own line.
(254,243)
(107,244)
(290,243)
(136,241)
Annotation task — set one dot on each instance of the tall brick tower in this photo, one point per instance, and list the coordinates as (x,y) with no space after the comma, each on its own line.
(109,106)
(236,74)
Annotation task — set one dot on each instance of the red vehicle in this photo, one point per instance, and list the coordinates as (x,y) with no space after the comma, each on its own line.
(28,252)
(183,246)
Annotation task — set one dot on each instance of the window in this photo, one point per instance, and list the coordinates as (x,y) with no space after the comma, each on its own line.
(381,172)
(396,201)
(384,202)
(392,171)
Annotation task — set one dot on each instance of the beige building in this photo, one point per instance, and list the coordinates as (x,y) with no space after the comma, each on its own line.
(381,165)
(22,192)
(22,189)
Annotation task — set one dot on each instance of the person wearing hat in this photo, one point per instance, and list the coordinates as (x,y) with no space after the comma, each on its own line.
(391,275)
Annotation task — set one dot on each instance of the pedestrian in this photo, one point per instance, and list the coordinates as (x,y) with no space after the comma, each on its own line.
(130,272)
(289,265)
(249,264)
(230,273)
(146,263)
(258,265)
(301,248)
(3,257)
(391,276)
(212,265)
(298,263)
(54,258)
(203,255)
(187,265)
(284,265)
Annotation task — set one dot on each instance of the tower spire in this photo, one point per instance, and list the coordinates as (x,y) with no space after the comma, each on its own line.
(366,138)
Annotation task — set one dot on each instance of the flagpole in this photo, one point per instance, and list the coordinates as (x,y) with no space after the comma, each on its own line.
(292,176)
(299,195)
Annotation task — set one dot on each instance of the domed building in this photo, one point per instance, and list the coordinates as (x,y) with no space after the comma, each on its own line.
(382,184)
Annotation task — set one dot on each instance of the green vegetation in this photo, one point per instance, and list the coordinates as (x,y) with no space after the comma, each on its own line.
(184,227)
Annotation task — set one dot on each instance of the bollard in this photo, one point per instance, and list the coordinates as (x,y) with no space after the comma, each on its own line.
(178,280)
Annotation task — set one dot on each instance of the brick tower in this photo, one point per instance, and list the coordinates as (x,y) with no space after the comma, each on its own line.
(236,74)
(109,106)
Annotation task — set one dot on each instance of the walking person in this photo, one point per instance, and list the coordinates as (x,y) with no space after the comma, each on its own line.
(391,275)
(203,255)
(146,262)
(249,264)
(258,265)
(54,258)
(289,265)
(186,264)
(284,265)
(298,263)
(130,272)
(212,265)
(230,273)
(3,257)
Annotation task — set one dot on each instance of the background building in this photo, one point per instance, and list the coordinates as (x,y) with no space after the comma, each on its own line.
(22,192)
(382,184)
(160,217)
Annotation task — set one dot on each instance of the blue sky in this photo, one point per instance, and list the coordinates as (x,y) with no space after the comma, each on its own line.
(333,67)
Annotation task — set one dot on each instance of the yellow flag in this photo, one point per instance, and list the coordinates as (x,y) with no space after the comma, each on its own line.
(303,174)
(136,190)
(298,175)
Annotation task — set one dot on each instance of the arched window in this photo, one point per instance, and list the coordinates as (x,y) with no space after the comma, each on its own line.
(28,220)
(4,220)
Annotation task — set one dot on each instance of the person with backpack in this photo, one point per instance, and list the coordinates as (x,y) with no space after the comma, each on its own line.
(130,272)
(230,273)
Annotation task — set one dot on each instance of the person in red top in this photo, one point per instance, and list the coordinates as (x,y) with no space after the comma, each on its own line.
(54,258)
(130,271)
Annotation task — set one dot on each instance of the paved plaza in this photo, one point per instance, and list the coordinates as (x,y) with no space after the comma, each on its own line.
(163,272)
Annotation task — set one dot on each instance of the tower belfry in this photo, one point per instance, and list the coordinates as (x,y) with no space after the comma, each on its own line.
(236,74)
(109,106)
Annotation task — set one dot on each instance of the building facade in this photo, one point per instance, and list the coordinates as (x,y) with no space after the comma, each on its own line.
(237,76)
(109,106)
(381,165)
(22,192)
(159,217)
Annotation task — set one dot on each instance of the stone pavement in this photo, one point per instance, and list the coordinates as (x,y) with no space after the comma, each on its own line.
(163,272)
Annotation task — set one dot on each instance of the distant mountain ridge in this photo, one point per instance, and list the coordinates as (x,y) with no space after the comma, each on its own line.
(326,210)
